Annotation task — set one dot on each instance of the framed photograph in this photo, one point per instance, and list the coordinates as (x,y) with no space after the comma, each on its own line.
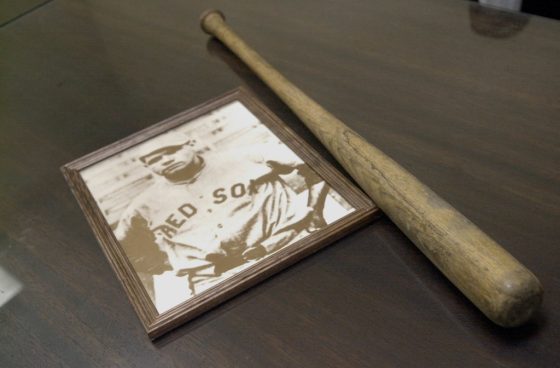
(203,205)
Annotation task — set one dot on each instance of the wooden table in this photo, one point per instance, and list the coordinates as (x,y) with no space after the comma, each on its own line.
(466,99)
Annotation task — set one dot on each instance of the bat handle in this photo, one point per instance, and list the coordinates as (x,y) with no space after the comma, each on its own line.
(499,285)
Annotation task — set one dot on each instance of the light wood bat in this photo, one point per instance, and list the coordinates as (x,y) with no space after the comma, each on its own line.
(501,287)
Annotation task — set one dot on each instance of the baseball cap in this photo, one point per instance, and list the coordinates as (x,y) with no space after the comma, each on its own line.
(163,142)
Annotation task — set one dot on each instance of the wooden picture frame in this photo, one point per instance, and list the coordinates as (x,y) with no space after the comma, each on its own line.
(107,228)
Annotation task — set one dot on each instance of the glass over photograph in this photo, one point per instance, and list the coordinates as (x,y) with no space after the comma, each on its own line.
(204,201)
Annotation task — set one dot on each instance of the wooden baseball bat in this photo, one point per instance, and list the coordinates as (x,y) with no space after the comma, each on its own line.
(501,287)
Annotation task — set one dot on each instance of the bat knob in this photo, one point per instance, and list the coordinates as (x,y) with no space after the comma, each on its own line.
(206,16)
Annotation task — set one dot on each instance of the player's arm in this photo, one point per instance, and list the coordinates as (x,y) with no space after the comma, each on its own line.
(317,189)
(283,160)
(278,157)
(138,242)
(128,220)
(310,220)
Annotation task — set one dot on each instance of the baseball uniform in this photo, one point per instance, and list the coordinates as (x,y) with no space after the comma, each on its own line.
(236,200)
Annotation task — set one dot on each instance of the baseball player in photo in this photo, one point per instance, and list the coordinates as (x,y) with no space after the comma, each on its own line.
(210,213)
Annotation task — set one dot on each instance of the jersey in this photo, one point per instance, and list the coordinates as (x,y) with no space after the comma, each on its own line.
(237,200)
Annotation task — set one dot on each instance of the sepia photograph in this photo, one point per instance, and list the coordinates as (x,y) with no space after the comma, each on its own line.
(204,201)
(197,208)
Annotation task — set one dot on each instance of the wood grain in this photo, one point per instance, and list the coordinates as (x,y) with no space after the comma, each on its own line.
(499,285)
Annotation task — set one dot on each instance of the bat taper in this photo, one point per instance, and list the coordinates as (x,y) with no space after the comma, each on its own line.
(501,287)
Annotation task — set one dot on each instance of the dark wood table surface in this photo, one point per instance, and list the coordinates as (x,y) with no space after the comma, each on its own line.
(466,99)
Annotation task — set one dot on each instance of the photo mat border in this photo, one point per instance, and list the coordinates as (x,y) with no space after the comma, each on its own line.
(157,324)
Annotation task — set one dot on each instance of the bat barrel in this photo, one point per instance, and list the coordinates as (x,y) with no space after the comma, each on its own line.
(499,285)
